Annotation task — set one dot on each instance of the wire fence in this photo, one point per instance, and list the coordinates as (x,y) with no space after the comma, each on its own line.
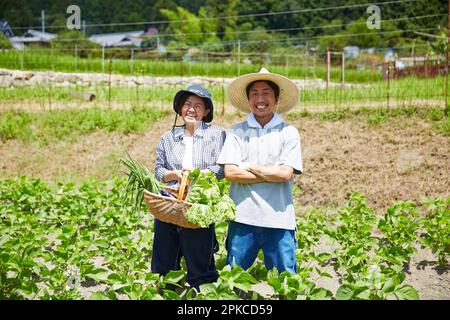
(137,77)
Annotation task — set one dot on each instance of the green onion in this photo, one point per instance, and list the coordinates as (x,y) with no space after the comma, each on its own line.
(139,179)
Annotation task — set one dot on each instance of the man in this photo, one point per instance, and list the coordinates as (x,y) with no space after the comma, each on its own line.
(260,157)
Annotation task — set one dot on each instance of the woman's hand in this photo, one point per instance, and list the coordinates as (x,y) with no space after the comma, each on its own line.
(174,175)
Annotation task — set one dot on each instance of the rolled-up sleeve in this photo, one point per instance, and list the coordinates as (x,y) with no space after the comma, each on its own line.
(161,161)
(292,154)
(231,151)
(218,169)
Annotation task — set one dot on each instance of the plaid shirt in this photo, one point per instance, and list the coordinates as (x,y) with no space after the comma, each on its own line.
(207,144)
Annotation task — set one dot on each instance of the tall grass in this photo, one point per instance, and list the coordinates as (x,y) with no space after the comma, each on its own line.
(438,117)
(402,91)
(65,62)
(54,125)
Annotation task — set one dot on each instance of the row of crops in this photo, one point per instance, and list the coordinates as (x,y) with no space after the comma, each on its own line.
(404,92)
(297,66)
(67,241)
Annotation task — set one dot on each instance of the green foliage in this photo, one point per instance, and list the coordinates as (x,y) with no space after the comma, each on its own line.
(400,225)
(69,124)
(4,42)
(56,239)
(51,237)
(296,286)
(13,125)
(311,227)
(139,180)
(211,202)
(373,267)
(436,226)
(299,20)
(379,284)
(189,29)
(68,39)
(231,280)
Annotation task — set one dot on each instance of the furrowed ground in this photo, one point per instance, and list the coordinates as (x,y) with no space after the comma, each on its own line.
(387,155)
(401,154)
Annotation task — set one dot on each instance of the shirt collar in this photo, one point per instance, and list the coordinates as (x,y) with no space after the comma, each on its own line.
(200,131)
(276,120)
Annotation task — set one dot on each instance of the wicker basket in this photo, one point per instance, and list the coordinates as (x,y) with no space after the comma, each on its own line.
(170,210)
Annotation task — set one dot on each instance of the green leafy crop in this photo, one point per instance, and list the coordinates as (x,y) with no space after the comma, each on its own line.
(210,199)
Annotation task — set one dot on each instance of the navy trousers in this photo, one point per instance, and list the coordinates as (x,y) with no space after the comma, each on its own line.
(198,246)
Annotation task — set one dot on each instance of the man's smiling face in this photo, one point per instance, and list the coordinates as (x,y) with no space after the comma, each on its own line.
(262,101)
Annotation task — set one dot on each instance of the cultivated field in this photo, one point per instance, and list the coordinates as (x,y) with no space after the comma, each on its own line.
(373,203)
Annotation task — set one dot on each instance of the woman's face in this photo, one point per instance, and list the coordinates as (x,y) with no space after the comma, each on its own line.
(194,109)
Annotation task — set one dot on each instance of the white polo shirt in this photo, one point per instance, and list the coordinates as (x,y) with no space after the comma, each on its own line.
(263,204)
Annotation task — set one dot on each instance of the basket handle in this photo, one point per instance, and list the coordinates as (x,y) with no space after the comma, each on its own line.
(184,182)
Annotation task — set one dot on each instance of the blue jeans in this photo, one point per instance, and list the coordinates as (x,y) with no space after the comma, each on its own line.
(278,246)
(198,246)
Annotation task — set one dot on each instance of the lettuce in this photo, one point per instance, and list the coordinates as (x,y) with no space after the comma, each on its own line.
(209,198)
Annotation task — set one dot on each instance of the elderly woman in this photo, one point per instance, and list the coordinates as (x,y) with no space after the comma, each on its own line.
(195,144)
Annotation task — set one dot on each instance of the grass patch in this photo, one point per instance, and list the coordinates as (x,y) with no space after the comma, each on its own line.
(54,125)
(437,116)
(404,92)
(46,59)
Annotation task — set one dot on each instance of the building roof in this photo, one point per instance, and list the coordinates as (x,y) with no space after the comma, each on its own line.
(44,36)
(32,36)
(6,29)
(119,39)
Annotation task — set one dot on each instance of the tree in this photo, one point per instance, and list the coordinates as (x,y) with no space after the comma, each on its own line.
(357,34)
(190,30)
(70,39)
(224,14)
(4,42)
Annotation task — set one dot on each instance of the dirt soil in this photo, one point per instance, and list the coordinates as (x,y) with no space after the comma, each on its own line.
(396,160)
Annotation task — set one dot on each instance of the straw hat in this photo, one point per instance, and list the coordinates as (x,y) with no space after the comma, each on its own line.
(289,93)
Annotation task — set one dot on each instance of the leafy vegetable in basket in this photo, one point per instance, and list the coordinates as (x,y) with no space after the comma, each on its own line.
(209,198)
(139,178)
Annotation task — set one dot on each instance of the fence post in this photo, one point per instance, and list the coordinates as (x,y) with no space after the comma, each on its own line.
(328,74)
(190,65)
(261,53)
(314,65)
(446,60)
(446,76)
(53,57)
(207,63)
(342,78)
(239,59)
(109,81)
(132,61)
(328,66)
(76,58)
(286,66)
(388,82)
(21,58)
(223,90)
(103,59)
(181,62)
